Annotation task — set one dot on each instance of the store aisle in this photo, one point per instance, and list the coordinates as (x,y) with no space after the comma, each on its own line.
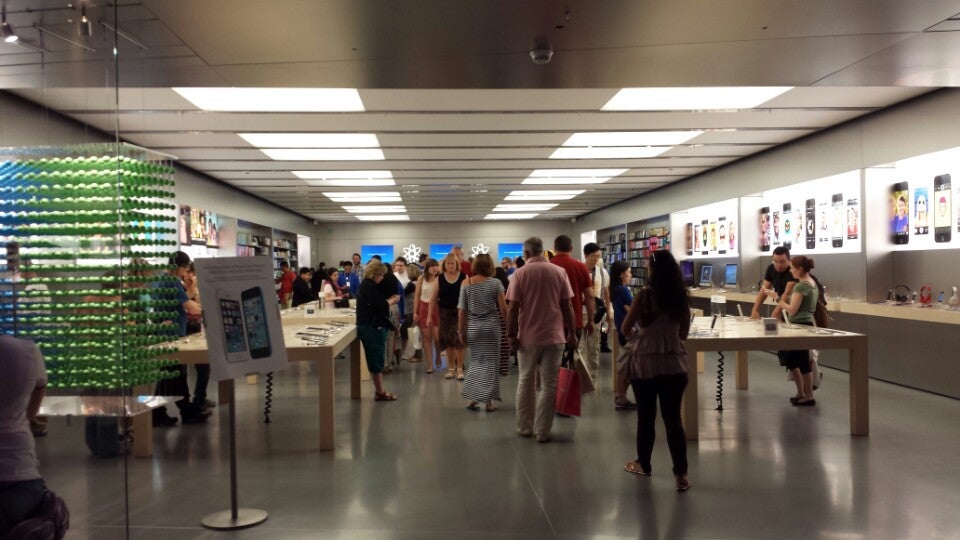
(424,467)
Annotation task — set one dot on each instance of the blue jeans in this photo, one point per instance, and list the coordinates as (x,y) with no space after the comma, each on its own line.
(18,501)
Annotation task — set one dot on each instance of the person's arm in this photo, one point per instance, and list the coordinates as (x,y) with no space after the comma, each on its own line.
(761,297)
(432,303)
(605,295)
(192,307)
(502,304)
(591,303)
(633,315)
(513,324)
(462,317)
(793,306)
(787,293)
(416,301)
(569,322)
(33,406)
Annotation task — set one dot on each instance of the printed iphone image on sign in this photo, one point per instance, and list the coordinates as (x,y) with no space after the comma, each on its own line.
(838,221)
(899,216)
(823,228)
(255,322)
(713,236)
(788,225)
(798,226)
(776,227)
(765,229)
(722,235)
(853,219)
(921,211)
(704,225)
(732,235)
(810,208)
(689,239)
(234,339)
(941,208)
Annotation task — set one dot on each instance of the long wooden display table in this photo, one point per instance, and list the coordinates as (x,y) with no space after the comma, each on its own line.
(742,335)
(911,312)
(135,409)
(301,315)
(195,352)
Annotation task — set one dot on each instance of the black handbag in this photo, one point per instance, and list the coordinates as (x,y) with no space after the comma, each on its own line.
(342,303)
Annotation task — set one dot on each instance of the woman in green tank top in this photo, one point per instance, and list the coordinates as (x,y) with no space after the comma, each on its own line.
(800,307)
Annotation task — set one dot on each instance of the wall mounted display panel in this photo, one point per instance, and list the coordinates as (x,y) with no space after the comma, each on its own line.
(385,251)
(709,231)
(512,250)
(439,251)
(922,200)
(815,217)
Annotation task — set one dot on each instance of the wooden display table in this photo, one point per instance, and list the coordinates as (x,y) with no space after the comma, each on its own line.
(299,315)
(911,312)
(742,335)
(195,352)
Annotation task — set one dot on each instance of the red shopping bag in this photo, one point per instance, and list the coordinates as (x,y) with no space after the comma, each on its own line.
(568,392)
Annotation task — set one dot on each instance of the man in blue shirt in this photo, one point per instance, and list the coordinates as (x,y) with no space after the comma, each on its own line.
(349,279)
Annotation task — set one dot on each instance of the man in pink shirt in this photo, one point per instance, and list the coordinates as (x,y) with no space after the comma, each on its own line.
(540,323)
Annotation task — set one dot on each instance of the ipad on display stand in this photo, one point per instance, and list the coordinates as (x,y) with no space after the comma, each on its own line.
(706,276)
(730,276)
(687,270)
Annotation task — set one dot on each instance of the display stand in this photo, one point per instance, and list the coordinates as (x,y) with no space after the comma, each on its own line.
(234,518)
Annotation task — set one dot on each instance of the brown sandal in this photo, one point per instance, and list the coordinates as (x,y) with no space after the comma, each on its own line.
(386,396)
(634,467)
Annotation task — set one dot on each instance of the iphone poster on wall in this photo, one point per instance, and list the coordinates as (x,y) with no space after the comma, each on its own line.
(241,316)
(710,230)
(819,216)
(922,197)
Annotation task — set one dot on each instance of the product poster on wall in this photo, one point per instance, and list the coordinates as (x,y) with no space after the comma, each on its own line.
(819,216)
(241,317)
(183,225)
(511,250)
(198,226)
(710,230)
(385,251)
(213,230)
(923,200)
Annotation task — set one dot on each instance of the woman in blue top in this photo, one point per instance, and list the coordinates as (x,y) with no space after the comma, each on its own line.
(800,307)
(620,296)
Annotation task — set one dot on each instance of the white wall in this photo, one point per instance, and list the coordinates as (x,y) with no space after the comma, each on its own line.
(337,241)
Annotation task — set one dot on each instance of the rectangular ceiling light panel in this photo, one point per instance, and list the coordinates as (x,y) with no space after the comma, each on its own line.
(510,216)
(609,152)
(377,209)
(693,99)
(630,138)
(544,195)
(361,196)
(323,154)
(311,140)
(392,217)
(274,99)
(571,176)
(346,178)
(524,207)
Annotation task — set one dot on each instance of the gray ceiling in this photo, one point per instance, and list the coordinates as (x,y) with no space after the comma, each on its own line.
(461,112)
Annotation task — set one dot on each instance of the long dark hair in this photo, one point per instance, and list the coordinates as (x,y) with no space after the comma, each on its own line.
(668,291)
(616,270)
(328,277)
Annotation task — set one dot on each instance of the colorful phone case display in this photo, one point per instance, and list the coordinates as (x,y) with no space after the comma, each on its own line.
(87,232)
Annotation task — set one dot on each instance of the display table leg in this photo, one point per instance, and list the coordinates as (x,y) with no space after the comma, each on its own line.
(859,388)
(223,391)
(357,365)
(364,372)
(743,378)
(325,374)
(690,407)
(143,435)
(700,362)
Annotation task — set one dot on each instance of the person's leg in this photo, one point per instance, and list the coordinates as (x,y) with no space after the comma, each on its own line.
(200,386)
(19,501)
(671,389)
(459,354)
(528,358)
(549,370)
(645,393)
(374,341)
(451,362)
(426,343)
(604,336)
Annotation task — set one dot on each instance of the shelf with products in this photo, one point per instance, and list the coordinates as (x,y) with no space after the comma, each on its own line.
(284,249)
(646,237)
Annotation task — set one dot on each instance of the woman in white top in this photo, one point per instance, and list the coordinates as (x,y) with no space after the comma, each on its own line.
(426,315)
(330,290)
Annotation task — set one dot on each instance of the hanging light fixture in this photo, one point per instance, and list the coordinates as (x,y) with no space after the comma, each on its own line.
(5,29)
(86,26)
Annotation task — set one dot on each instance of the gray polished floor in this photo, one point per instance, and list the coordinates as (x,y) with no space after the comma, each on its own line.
(424,467)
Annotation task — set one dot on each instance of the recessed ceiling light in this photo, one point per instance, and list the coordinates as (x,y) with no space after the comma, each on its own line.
(361,196)
(543,195)
(323,154)
(274,99)
(389,217)
(377,209)
(524,207)
(571,176)
(347,182)
(342,175)
(312,140)
(609,152)
(630,138)
(511,216)
(693,99)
